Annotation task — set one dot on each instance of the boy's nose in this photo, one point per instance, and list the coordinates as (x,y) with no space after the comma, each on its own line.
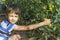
(14,19)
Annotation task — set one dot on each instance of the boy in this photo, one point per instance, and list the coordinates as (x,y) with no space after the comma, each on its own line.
(12,17)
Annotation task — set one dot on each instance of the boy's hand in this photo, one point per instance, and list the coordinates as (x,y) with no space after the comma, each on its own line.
(47,21)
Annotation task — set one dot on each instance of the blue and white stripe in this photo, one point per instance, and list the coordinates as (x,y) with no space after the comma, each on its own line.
(6,27)
(3,37)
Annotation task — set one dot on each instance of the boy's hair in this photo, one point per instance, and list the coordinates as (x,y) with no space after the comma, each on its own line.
(13,8)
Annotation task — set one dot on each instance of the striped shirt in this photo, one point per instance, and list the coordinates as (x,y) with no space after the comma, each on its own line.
(6,27)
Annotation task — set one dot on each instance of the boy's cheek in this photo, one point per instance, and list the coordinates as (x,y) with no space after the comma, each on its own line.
(17,19)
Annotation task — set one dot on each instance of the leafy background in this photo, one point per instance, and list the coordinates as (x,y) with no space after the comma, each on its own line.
(34,11)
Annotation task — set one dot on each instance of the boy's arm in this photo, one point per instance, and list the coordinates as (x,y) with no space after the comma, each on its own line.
(33,26)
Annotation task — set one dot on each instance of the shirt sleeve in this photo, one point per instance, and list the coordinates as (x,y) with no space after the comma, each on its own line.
(12,27)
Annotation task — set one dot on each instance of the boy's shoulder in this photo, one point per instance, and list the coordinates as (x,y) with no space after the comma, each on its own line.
(6,25)
(5,22)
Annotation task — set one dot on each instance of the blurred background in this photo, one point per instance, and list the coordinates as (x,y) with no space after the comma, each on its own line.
(34,11)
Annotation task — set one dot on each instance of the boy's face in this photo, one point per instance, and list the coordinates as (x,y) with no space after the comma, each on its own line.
(13,18)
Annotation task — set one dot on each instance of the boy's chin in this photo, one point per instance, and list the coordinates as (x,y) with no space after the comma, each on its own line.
(13,22)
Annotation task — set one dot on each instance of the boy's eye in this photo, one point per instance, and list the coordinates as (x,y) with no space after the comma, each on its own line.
(16,16)
(11,16)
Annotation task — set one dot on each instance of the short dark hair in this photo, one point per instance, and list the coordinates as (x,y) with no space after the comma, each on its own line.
(13,8)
